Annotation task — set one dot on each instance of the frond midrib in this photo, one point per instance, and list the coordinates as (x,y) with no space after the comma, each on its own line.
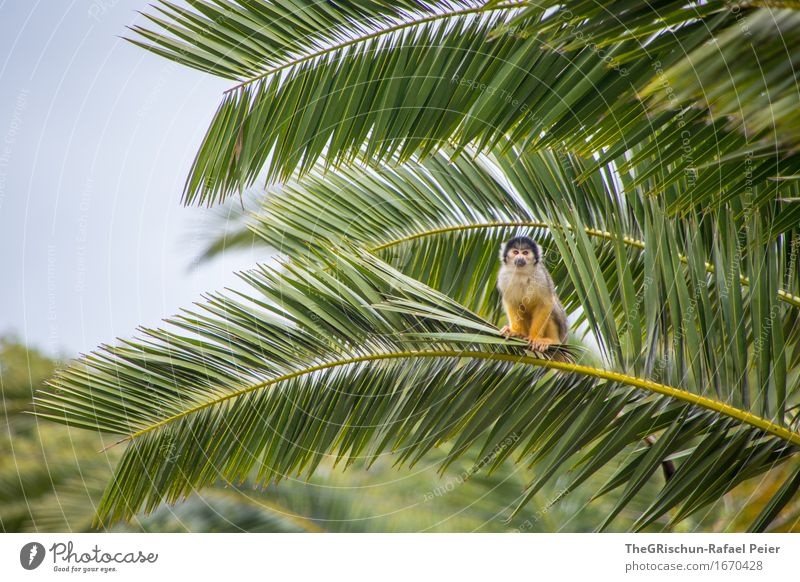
(629,241)
(715,406)
(375,34)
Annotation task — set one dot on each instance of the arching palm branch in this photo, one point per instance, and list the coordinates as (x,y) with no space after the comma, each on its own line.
(51,480)
(409,78)
(434,218)
(344,355)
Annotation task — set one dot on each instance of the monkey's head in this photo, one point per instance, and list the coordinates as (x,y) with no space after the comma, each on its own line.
(519,252)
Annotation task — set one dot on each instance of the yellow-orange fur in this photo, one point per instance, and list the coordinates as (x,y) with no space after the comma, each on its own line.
(533,309)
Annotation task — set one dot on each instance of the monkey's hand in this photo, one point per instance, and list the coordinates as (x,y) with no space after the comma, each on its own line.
(508,332)
(540,344)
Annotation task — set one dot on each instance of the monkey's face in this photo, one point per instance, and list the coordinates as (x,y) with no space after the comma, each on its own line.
(520,252)
(520,257)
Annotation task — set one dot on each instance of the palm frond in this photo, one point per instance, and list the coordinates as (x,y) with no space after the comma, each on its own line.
(705,116)
(379,500)
(751,85)
(572,24)
(318,362)
(241,40)
(442,222)
(463,73)
(291,71)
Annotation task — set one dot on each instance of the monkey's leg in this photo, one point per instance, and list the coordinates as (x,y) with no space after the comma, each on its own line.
(543,330)
(517,324)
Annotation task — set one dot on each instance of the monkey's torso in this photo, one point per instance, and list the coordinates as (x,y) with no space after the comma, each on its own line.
(531,303)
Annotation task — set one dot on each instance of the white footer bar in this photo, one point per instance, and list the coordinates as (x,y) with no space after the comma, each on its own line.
(401,557)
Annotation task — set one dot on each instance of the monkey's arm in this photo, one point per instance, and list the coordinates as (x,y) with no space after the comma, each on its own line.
(516,320)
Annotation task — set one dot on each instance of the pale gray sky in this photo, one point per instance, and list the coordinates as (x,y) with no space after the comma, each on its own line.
(96,139)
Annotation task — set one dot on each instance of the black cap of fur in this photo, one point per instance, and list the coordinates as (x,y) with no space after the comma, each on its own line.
(523,242)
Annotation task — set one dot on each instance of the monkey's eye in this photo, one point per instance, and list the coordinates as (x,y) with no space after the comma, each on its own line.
(516,252)
(524,252)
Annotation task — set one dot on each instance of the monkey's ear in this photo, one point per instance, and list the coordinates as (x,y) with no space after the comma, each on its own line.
(537,253)
(502,252)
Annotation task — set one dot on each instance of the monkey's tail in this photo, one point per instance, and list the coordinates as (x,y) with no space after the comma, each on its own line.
(667,466)
(562,353)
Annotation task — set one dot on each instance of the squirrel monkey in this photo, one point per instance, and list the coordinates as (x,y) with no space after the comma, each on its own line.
(532,306)
(529,296)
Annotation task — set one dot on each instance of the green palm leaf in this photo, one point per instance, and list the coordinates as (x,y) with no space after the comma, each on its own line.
(425,219)
(439,221)
(395,366)
(421,78)
(760,96)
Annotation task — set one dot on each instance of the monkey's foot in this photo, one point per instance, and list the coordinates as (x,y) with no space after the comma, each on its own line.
(540,344)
